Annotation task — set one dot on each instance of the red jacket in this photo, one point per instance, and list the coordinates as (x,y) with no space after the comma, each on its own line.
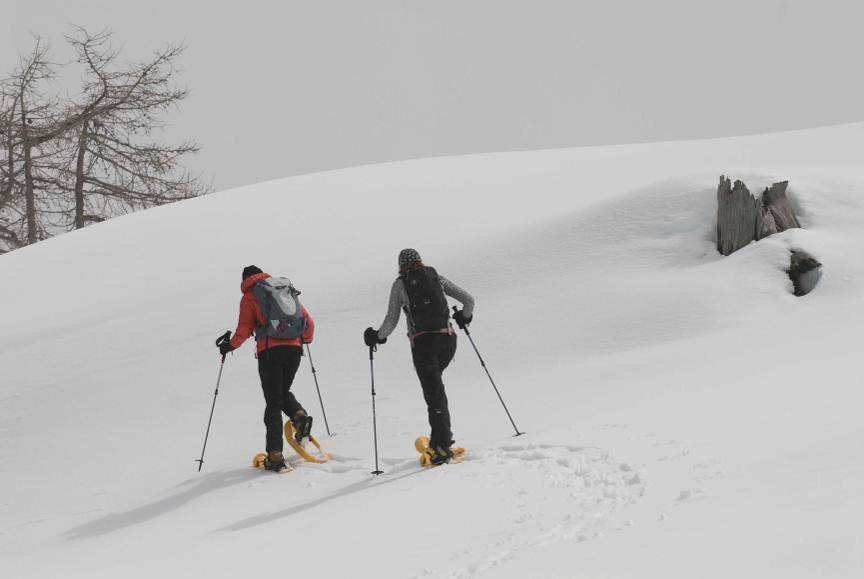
(251,318)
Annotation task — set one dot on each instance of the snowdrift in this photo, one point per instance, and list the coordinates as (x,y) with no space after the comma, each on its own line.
(686,414)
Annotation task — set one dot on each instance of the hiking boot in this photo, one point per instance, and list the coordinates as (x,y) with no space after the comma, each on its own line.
(302,427)
(440,455)
(276,462)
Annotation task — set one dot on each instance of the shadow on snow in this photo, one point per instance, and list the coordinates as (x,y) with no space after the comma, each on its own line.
(117,521)
(211,483)
(357,487)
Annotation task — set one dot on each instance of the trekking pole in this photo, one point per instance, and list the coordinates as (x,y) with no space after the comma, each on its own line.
(219,341)
(317,389)
(483,363)
(372,349)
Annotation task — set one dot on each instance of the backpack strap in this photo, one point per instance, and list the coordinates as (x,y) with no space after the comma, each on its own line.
(257,293)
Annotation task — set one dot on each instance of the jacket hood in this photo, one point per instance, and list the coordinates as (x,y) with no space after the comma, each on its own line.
(252,280)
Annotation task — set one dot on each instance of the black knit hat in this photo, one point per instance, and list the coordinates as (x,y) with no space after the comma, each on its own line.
(408,257)
(251,270)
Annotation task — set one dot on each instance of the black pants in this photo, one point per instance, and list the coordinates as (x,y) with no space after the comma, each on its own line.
(277,367)
(432,353)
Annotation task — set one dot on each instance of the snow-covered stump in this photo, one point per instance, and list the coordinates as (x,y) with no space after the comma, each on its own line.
(742,219)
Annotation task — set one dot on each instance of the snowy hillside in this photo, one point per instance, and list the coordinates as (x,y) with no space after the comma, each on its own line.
(687,416)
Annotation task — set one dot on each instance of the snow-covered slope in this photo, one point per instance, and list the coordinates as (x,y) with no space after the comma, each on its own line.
(686,415)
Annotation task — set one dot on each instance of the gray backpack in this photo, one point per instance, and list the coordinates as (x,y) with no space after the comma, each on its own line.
(283,315)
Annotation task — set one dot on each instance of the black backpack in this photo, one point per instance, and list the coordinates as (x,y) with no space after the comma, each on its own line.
(427,303)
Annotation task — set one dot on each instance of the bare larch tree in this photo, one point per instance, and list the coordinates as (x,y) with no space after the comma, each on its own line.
(117,166)
(70,162)
(30,121)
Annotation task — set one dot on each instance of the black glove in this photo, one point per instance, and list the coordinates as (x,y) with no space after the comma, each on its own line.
(370,337)
(461,320)
(223,342)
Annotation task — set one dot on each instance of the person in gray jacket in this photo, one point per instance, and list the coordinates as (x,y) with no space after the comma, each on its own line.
(420,292)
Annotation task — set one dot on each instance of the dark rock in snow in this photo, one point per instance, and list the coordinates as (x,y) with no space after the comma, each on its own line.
(804,271)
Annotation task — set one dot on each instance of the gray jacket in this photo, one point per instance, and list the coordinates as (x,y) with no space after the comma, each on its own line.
(399,302)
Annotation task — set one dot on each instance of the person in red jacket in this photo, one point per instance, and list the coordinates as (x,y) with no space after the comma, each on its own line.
(278,360)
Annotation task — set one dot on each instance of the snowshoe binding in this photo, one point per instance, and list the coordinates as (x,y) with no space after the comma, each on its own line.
(430,456)
(440,455)
(273,462)
(298,442)
(302,428)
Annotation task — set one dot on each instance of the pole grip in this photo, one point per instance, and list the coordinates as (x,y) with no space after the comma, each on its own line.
(223,338)
(464,328)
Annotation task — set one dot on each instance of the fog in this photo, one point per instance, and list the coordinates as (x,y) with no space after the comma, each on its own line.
(282,88)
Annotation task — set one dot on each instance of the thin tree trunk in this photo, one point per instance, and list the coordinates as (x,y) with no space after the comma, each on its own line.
(29,189)
(10,169)
(29,195)
(79,177)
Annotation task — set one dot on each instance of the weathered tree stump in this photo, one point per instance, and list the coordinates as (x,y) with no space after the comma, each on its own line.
(775,213)
(741,218)
(736,216)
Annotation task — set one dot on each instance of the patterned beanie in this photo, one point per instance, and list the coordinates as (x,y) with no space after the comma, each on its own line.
(250,270)
(408,257)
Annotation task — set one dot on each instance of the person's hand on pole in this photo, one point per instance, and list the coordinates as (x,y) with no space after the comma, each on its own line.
(371,338)
(461,320)
(223,342)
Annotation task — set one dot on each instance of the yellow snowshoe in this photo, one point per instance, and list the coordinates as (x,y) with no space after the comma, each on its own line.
(263,462)
(432,457)
(319,456)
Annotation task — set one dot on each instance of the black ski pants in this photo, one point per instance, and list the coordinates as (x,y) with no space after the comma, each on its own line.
(432,354)
(277,367)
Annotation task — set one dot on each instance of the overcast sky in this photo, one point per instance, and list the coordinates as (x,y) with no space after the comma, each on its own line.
(289,87)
